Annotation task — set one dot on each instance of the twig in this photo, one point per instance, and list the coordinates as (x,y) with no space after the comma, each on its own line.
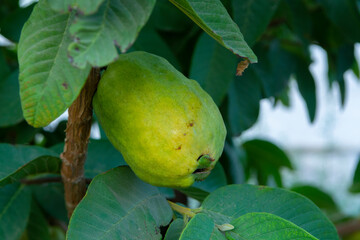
(76,142)
(47,180)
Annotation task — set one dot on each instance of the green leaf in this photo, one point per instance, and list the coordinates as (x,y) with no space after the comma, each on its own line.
(15,202)
(101,157)
(21,133)
(264,226)
(17,162)
(355,187)
(341,13)
(50,196)
(200,227)
(213,18)
(38,227)
(121,206)
(195,193)
(253,17)
(213,67)
(307,87)
(82,6)
(48,82)
(244,102)
(233,201)
(12,24)
(322,199)
(10,110)
(266,158)
(116,24)
(175,229)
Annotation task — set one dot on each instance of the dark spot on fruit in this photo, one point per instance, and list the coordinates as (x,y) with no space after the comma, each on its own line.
(190,124)
(184,134)
(178,148)
(65,85)
(200,170)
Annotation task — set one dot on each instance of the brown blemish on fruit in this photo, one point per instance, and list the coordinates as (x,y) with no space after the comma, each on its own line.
(178,148)
(184,134)
(65,85)
(191,123)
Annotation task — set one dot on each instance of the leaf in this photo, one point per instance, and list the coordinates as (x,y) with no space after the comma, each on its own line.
(213,67)
(83,6)
(119,205)
(48,82)
(263,226)
(10,110)
(355,187)
(253,17)
(12,24)
(101,157)
(307,87)
(38,227)
(17,162)
(15,202)
(341,13)
(213,18)
(233,160)
(50,197)
(175,229)
(244,102)
(195,193)
(200,227)
(21,133)
(266,158)
(322,199)
(116,24)
(233,201)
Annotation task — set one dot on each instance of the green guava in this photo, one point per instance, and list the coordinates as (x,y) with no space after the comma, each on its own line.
(168,129)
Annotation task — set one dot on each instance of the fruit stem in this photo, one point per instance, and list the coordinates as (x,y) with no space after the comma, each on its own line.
(182,210)
(76,142)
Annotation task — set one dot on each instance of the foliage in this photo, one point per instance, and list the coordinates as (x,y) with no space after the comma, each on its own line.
(56,43)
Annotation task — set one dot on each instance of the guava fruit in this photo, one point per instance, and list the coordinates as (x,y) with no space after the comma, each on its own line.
(166,126)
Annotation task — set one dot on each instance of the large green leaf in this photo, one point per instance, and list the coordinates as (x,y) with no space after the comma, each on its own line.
(15,202)
(244,102)
(10,110)
(48,82)
(17,162)
(265,226)
(213,18)
(38,227)
(233,201)
(266,158)
(82,6)
(253,17)
(341,13)
(200,227)
(118,205)
(213,67)
(175,229)
(116,24)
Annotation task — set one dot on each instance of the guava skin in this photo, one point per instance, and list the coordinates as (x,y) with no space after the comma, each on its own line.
(163,123)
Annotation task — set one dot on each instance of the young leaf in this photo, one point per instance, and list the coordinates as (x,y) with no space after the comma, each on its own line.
(175,229)
(48,82)
(253,17)
(119,205)
(233,201)
(264,226)
(213,18)
(200,227)
(10,110)
(213,67)
(15,202)
(17,162)
(116,24)
(83,6)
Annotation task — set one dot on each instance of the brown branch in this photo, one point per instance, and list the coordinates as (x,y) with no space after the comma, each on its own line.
(47,180)
(76,142)
(348,228)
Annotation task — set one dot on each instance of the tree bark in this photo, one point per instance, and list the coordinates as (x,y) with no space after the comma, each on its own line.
(76,142)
